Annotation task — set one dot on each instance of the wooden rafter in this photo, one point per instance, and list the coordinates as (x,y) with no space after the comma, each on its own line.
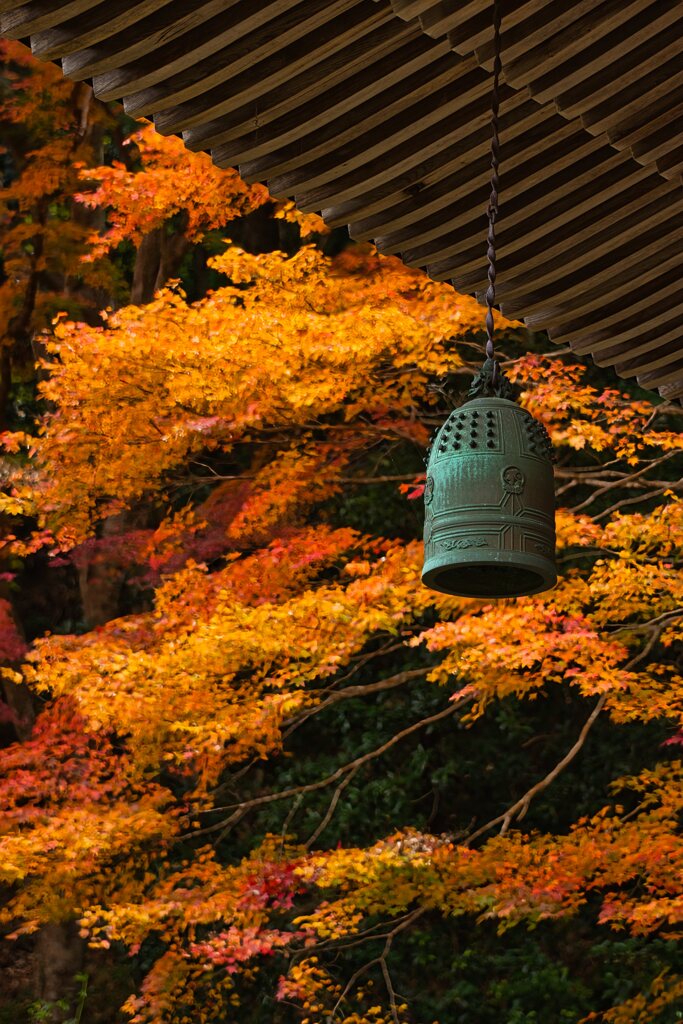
(375,112)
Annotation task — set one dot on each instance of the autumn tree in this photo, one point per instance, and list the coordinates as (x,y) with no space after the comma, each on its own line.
(277,777)
(54,133)
(49,128)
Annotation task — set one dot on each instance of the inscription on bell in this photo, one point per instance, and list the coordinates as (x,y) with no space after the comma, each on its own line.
(459,543)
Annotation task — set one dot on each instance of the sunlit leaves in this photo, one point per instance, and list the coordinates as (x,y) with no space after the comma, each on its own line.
(306,339)
(142,200)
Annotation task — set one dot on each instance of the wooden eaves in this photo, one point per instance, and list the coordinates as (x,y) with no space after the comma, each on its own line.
(375,113)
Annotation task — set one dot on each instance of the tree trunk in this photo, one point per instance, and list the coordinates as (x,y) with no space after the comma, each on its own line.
(17,696)
(5,383)
(157,260)
(147,261)
(100,582)
(59,958)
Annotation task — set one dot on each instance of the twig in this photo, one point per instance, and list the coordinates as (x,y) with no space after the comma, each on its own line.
(602,471)
(636,627)
(288,820)
(544,355)
(381,961)
(346,694)
(298,720)
(623,482)
(239,810)
(351,982)
(389,986)
(359,938)
(331,809)
(656,632)
(361,690)
(521,806)
(362,660)
(639,499)
(391,478)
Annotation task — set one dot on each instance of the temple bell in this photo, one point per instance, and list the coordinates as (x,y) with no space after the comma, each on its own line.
(490,503)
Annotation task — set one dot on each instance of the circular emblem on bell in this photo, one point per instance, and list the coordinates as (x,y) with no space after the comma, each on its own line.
(429,490)
(513,480)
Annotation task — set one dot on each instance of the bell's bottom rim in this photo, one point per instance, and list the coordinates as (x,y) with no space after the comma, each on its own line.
(469,560)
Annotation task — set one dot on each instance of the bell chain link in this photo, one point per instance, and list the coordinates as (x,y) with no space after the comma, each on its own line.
(491,380)
(495,182)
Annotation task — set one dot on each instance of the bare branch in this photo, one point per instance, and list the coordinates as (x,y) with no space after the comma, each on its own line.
(601,471)
(395,478)
(331,809)
(637,627)
(654,637)
(290,816)
(521,806)
(639,499)
(368,935)
(356,976)
(381,962)
(362,690)
(389,985)
(240,809)
(346,694)
(623,482)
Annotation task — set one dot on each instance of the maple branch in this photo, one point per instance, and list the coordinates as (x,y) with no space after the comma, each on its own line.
(626,480)
(626,627)
(385,953)
(674,486)
(521,806)
(387,981)
(543,355)
(655,627)
(601,471)
(585,552)
(361,690)
(359,938)
(571,472)
(389,988)
(379,479)
(292,811)
(348,692)
(240,809)
(362,659)
(351,982)
(331,809)
(381,962)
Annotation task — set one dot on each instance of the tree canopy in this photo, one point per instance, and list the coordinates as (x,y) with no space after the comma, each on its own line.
(252,769)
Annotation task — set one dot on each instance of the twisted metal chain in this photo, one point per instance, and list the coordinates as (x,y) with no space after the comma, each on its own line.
(492,212)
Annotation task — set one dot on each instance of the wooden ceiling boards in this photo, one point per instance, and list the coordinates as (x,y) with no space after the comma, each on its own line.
(375,113)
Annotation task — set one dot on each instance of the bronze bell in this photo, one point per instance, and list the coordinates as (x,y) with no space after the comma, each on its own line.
(490,503)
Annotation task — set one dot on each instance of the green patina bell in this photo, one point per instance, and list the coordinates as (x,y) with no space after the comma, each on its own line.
(489,498)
